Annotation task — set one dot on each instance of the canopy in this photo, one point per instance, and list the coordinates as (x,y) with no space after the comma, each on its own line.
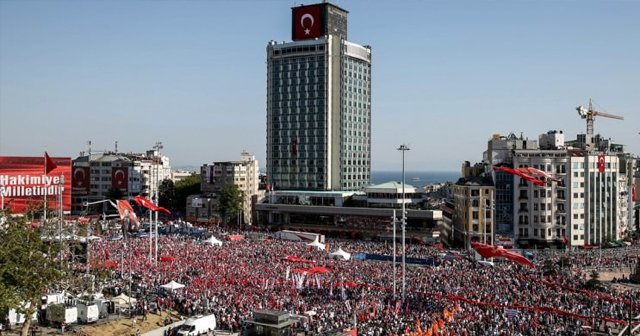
(340,254)
(317,244)
(172,285)
(214,241)
(123,299)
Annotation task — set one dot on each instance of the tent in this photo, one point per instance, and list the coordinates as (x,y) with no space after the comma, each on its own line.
(317,244)
(172,285)
(123,300)
(340,254)
(214,241)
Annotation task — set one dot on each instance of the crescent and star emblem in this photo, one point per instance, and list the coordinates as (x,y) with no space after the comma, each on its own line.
(119,180)
(76,172)
(304,17)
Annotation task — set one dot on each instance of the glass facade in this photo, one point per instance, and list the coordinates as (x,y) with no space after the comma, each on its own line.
(302,121)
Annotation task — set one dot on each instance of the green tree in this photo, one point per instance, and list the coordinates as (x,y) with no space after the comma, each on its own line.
(230,199)
(115,194)
(167,196)
(185,187)
(27,268)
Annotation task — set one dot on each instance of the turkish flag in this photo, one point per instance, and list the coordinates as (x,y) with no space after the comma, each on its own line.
(143,201)
(601,163)
(307,22)
(49,165)
(120,178)
(634,193)
(80,180)
(489,251)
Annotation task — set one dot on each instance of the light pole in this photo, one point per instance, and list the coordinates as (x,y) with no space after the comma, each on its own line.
(403,148)
(158,146)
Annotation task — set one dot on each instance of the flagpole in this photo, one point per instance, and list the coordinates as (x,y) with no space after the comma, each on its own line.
(44,200)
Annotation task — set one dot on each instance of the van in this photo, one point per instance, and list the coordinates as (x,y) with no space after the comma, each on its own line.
(197,325)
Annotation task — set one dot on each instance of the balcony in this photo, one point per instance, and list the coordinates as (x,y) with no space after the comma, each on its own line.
(523,197)
(523,210)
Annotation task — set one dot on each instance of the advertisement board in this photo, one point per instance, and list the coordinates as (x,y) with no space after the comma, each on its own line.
(24,184)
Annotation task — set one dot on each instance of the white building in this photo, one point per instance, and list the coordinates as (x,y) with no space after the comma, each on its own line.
(95,176)
(243,173)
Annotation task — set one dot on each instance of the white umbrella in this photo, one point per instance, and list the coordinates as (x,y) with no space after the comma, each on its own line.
(172,285)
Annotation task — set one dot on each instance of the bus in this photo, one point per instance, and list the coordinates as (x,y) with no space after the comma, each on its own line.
(300,236)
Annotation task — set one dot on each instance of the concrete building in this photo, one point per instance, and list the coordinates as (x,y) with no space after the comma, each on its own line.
(318,105)
(179,175)
(473,218)
(95,176)
(243,173)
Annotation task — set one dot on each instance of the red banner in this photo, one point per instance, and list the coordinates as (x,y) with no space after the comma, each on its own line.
(601,163)
(24,184)
(81,180)
(307,22)
(120,178)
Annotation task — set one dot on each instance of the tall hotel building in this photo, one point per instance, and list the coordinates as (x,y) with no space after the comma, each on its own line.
(318,105)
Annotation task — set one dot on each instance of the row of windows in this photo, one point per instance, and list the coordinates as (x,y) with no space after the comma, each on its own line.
(301,49)
(297,105)
(278,97)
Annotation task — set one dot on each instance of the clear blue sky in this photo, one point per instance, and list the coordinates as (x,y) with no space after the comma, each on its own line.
(192,74)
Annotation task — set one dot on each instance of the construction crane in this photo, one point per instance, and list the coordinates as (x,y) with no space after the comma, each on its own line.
(589,114)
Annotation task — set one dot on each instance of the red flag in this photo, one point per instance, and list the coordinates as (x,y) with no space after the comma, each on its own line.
(143,201)
(601,163)
(489,251)
(565,240)
(125,210)
(49,165)
(634,193)
(520,174)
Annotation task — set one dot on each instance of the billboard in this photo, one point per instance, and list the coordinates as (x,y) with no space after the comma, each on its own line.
(307,22)
(24,184)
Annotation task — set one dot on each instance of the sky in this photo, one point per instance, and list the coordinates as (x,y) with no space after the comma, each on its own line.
(447,75)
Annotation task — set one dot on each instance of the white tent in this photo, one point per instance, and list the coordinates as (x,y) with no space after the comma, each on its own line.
(172,285)
(213,241)
(317,244)
(123,299)
(340,254)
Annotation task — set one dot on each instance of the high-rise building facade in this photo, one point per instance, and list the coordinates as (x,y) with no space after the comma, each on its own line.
(318,105)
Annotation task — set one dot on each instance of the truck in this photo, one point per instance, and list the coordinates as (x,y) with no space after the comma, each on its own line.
(58,313)
(308,237)
(197,325)
(88,312)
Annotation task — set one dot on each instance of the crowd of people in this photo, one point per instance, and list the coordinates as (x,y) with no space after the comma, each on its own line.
(458,296)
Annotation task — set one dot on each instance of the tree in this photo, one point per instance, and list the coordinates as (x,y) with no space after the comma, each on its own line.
(185,187)
(230,199)
(167,198)
(27,268)
(115,194)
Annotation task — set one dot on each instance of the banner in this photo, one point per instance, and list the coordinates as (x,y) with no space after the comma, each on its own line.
(601,163)
(24,184)
(81,181)
(307,22)
(120,178)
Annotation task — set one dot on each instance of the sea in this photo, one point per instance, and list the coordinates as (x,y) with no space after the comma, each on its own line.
(414,178)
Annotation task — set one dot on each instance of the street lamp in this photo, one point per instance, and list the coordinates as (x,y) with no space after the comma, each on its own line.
(158,146)
(403,148)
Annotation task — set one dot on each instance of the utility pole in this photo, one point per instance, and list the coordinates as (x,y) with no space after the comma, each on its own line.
(403,148)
